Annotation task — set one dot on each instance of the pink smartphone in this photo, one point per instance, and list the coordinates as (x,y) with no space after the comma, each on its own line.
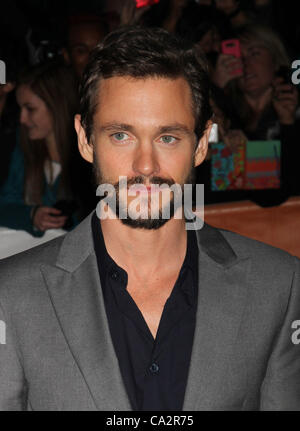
(232,47)
(143,3)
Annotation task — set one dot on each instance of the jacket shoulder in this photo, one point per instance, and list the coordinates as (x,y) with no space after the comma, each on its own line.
(19,270)
(21,275)
(258,251)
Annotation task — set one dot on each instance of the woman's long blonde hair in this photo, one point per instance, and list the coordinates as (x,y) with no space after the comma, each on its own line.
(269,40)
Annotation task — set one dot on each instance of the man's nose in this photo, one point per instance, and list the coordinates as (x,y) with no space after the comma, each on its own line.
(145,161)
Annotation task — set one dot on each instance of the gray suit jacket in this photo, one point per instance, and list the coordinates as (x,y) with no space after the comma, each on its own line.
(59,354)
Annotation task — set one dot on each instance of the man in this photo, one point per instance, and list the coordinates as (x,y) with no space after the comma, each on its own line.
(140,313)
(84,33)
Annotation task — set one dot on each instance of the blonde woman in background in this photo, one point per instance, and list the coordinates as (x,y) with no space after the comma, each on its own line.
(266,101)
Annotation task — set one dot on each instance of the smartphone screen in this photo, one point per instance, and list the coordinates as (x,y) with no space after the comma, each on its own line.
(232,47)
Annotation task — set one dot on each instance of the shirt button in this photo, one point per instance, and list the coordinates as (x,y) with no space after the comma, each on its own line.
(154,368)
(114,275)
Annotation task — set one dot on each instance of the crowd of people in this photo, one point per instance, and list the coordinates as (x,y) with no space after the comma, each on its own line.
(45,184)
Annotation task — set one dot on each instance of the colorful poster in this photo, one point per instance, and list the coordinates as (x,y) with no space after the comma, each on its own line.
(255,165)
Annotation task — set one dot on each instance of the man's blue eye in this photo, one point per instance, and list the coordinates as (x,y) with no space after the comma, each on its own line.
(168,139)
(120,136)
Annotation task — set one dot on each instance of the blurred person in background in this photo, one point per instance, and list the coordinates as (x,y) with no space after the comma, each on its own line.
(236,12)
(207,27)
(84,32)
(264,98)
(40,172)
(8,120)
(13,54)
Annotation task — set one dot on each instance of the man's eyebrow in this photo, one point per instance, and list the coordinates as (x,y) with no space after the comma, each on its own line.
(116,127)
(171,128)
(175,128)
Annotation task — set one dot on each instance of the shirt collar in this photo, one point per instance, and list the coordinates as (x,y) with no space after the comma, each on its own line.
(107,265)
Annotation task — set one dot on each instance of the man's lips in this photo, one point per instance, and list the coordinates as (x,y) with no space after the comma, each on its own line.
(144,189)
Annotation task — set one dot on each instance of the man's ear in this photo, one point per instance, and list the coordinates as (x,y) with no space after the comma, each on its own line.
(85,149)
(202,146)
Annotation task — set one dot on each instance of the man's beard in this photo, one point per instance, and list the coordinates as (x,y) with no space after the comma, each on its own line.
(145,223)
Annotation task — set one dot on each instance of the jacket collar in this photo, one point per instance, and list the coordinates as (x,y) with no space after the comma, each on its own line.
(213,243)
(74,287)
(78,245)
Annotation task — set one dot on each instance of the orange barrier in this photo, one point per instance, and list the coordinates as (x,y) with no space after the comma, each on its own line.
(278,226)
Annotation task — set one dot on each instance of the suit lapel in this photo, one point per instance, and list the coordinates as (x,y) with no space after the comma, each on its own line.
(75,290)
(221,302)
(76,294)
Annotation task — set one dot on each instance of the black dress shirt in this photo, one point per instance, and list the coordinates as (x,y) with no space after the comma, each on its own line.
(154,371)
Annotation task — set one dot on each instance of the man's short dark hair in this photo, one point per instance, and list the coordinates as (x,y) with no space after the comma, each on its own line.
(145,53)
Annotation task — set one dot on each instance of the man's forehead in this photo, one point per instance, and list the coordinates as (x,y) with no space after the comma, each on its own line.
(125,92)
(140,97)
(155,84)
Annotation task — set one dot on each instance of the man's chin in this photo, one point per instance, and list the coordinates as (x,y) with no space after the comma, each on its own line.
(148,224)
(149,219)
